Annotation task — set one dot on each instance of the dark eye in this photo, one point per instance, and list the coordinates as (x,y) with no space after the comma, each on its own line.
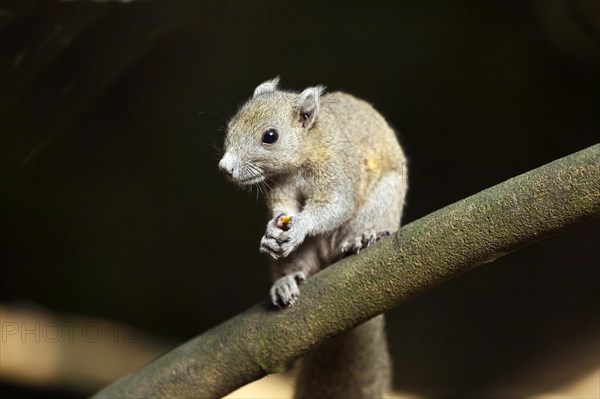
(270,136)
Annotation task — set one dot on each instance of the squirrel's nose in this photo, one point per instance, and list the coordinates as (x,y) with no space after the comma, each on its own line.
(226,166)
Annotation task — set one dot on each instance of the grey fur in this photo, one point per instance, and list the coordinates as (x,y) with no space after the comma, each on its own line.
(338,171)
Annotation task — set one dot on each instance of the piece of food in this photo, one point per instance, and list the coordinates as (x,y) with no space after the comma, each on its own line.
(282,222)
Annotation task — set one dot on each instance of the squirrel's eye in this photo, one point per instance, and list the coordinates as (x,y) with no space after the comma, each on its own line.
(270,136)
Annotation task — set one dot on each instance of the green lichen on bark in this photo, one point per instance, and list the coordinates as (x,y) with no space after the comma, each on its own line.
(423,254)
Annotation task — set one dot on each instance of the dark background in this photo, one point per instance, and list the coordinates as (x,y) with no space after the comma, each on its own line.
(112,117)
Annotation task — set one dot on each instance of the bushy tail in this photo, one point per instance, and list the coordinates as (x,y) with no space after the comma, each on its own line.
(355,364)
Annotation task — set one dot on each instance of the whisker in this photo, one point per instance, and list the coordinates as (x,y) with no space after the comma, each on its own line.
(263,190)
(222,119)
(276,185)
(267,186)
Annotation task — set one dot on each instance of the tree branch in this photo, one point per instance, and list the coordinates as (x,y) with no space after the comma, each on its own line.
(423,254)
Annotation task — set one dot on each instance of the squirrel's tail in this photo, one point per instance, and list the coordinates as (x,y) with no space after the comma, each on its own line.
(355,364)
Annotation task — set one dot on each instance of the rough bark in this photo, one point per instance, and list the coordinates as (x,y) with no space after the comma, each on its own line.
(423,254)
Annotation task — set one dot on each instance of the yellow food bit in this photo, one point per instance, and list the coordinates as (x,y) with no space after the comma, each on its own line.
(371,164)
(285,219)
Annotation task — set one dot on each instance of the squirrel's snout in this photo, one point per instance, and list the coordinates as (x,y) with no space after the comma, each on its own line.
(226,165)
(226,169)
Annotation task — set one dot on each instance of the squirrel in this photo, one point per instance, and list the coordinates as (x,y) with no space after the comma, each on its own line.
(334,178)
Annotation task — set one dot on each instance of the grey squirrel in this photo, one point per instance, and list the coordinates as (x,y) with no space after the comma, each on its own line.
(334,178)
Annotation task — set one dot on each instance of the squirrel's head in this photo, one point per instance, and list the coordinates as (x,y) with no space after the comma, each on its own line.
(266,136)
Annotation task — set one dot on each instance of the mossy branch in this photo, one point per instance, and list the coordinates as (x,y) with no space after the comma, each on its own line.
(421,255)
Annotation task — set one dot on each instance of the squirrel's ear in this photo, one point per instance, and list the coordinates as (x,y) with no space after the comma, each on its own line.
(266,87)
(308,105)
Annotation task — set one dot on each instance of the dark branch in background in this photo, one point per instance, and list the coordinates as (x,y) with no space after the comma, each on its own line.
(421,255)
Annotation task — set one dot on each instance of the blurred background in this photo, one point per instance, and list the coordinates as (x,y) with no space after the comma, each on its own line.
(120,239)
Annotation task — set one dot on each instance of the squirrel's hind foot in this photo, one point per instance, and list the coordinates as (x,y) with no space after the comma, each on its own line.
(351,247)
(285,291)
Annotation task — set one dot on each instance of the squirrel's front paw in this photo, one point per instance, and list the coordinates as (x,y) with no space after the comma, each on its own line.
(285,291)
(279,243)
(291,239)
(268,243)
